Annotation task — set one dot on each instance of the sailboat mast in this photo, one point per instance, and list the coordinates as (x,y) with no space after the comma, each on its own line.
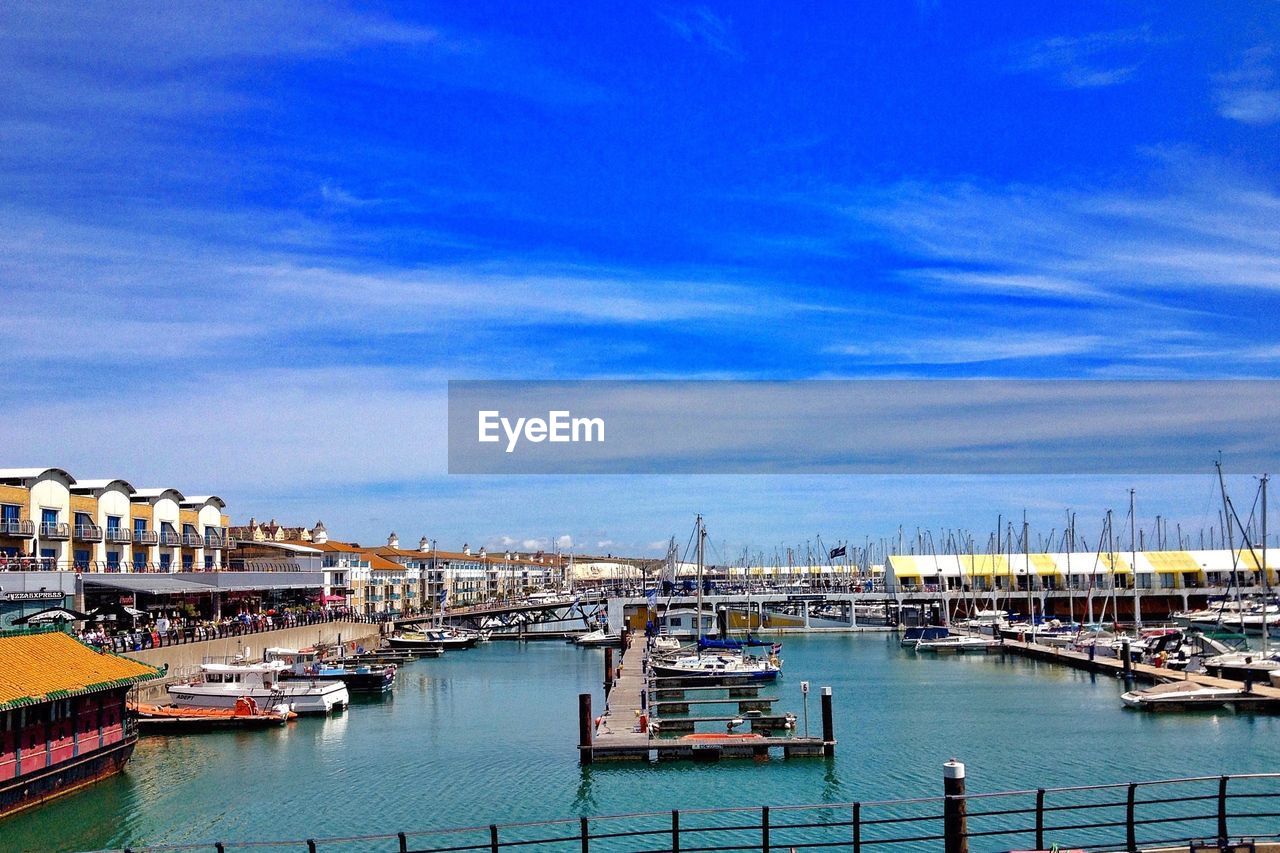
(1026,567)
(697,621)
(1071,535)
(1133,561)
(1111,555)
(1266,575)
(1231,544)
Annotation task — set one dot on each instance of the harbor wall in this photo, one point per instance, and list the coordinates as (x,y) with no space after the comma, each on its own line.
(183,660)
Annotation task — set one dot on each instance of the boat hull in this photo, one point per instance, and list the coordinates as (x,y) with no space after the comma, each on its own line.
(32,789)
(376,681)
(323,698)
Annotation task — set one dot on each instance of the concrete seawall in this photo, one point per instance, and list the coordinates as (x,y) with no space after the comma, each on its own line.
(185,659)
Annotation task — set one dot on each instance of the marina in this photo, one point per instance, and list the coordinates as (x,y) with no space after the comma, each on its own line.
(526,740)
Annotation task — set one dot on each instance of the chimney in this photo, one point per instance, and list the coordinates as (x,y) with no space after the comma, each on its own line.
(507,557)
(483,552)
(393,541)
(319,535)
(424,545)
(466,549)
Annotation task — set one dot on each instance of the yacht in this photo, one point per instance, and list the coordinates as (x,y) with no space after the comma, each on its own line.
(220,685)
(306,665)
(1185,695)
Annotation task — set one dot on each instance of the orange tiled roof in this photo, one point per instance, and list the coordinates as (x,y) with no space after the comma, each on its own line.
(377,561)
(53,665)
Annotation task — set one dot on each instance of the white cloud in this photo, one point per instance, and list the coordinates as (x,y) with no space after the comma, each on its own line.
(564,542)
(1251,92)
(1090,61)
(701,26)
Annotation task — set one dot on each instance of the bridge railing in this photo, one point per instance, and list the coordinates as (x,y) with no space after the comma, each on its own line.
(1198,813)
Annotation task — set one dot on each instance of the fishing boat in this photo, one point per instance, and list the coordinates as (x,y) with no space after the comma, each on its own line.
(1186,695)
(246,714)
(221,686)
(307,665)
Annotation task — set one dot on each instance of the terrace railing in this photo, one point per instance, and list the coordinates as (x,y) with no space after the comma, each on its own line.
(1201,813)
(119,535)
(88,533)
(55,530)
(23,527)
(170,539)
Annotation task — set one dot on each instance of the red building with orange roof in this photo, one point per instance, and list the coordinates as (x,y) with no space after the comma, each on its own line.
(62,716)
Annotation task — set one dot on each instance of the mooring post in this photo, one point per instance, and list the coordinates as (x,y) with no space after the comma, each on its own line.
(828,726)
(954,815)
(608,668)
(1128,659)
(584,728)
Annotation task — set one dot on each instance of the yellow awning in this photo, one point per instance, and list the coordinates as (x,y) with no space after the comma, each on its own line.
(1044,564)
(1172,562)
(906,567)
(1119,566)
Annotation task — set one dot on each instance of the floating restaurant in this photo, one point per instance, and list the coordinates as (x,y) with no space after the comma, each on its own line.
(62,716)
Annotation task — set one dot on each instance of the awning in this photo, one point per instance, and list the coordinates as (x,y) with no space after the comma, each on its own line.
(332,599)
(1172,562)
(155,584)
(1044,565)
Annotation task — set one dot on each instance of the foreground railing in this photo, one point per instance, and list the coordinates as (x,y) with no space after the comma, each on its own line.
(1181,814)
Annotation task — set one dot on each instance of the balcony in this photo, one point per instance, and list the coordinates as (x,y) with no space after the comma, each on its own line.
(213,540)
(88,533)
(191,540)
(119,535)
(146,537)
(169,538)
(55,530)
(22,527)
(232,543)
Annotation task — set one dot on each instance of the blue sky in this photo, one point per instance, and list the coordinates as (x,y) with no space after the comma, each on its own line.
(243,246)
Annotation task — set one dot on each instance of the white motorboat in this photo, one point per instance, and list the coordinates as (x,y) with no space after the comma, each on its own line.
(598,638)
(1185,695)
(1243,664)
(955,644)
(220,685)
(665,644)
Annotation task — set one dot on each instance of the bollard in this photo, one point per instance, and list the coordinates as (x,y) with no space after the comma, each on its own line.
(584,728)
(828,726)
(608,669)
(1128,658)
(954,816)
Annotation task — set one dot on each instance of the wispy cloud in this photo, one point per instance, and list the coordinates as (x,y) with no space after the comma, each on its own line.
(699,25)
(1251,92)
(1089,61)
(950,349)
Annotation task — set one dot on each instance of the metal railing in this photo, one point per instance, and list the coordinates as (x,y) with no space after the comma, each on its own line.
(119,535)
(1125,816)
(89,532)
(55,530)
(192,540)
(167,538)
(23,527)
(147,638)
(146,537)
(213,540)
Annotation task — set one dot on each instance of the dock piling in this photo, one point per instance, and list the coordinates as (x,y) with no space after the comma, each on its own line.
(828,725)
(608,669)
(955,812)
(584,728)
(1128,659)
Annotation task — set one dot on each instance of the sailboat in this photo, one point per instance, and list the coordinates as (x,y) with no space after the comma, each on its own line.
(724,664)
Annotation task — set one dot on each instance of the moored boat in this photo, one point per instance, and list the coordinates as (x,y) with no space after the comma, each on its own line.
(955,644)
(598,638)
(417,642)
(246,714)
(1186,695)
(307,665)
(221,685)
(720,666)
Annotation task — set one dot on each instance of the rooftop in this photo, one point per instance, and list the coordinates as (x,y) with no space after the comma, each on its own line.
(53,665)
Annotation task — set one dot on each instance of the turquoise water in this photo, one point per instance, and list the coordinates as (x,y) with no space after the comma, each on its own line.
(488,735)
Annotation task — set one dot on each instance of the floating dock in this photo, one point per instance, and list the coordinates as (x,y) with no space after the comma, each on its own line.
(626,729)
(1263,697)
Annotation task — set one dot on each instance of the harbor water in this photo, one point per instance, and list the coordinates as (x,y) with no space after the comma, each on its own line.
(488,735)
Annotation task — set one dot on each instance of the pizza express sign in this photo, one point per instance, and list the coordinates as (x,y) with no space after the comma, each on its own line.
(32,596)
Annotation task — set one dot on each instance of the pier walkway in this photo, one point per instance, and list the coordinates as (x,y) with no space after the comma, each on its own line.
(635,701)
